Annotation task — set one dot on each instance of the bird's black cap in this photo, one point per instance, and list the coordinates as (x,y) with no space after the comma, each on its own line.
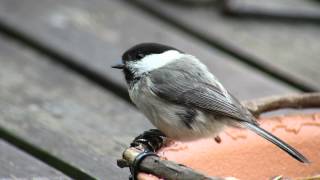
(136,53)
(139,51)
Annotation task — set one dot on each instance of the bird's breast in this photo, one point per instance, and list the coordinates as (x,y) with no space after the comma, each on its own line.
(176,121)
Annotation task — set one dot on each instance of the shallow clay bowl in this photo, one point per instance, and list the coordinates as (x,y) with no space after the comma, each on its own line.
(244,155)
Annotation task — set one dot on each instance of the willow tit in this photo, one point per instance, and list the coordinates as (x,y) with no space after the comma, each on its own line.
(182,98)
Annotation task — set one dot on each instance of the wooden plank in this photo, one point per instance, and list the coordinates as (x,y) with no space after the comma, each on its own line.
(287,49)
(71,118)
(95,33)
(63,114)
(15,164)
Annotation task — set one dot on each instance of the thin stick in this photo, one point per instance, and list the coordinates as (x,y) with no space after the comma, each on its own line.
(164,168)
(307,100)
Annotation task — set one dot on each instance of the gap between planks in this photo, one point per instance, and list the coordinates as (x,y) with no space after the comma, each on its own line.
(221,45)
(70,63)
(44,156)
(67,61)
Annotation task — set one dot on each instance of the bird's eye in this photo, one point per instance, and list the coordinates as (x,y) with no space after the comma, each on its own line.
(140,55)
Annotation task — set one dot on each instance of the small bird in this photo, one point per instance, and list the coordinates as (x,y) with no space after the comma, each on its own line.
(185,101)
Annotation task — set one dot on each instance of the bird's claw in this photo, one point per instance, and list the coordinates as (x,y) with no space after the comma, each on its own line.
(151,140)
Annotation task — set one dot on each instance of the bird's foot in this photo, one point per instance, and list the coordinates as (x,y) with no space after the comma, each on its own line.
(151,140)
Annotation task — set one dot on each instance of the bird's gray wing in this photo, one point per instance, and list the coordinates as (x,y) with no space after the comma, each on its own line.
(181,87)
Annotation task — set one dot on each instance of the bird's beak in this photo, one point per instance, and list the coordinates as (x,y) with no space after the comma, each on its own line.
(120,65)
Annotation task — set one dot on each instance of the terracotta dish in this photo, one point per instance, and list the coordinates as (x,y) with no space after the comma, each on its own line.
(244,155)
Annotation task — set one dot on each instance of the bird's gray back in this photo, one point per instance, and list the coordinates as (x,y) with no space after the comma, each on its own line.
(188,82)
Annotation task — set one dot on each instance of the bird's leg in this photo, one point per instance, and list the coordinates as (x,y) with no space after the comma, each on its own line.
(151,140)
(148,143)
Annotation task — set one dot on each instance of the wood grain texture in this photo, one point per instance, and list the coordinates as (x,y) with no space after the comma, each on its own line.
(64,114)
(288,48)
(95,33)
(15,164)
(74,119)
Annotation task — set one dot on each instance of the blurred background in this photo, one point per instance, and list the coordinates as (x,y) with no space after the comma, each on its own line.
(64,113)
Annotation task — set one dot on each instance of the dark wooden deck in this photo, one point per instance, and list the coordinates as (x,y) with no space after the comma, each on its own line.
(66,114)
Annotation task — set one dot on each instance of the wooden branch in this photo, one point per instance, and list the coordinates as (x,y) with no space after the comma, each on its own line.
(307,100)
(163,168)
(170,170)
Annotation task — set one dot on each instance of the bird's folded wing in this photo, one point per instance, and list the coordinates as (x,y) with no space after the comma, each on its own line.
(184,89)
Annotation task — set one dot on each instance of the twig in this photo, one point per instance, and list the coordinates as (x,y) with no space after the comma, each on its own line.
(258,106)
(164,168)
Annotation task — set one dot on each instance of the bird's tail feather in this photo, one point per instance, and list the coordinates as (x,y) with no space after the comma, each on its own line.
(284,146)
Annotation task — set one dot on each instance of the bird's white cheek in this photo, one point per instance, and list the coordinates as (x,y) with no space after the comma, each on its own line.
(155,61)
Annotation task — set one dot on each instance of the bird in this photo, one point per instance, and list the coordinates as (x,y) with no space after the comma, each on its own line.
(183,99)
